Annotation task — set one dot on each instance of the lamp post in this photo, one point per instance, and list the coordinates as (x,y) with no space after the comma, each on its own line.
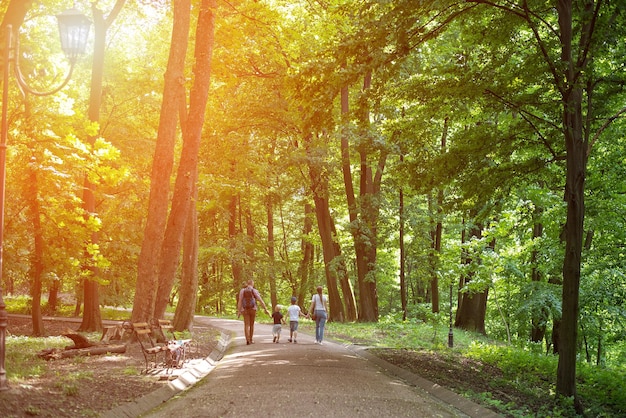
(74,30)
(450,330)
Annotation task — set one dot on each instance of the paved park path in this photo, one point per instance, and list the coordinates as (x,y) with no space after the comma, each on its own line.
(307,380)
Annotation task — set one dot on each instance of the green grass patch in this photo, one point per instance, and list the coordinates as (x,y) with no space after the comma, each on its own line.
(21,354)
(70,383)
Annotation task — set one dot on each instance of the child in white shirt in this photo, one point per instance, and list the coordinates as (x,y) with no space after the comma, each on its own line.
(295,313)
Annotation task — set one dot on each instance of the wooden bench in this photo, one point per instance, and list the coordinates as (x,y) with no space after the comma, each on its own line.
(166,327)
(178,348)
(150,349)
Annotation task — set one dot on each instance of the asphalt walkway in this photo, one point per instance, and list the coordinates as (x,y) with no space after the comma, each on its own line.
(286,380)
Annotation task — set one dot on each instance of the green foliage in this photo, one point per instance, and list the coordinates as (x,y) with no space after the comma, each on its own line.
(511,360)
(65,310)
(114,314)
(602,391)
(20,304)
(607,387)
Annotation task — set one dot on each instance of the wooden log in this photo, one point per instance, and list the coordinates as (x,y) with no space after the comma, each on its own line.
(52,354)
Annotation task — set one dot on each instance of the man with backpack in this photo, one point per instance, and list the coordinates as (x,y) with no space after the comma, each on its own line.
(247,306)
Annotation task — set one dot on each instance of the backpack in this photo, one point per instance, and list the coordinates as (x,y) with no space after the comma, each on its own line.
(248,301)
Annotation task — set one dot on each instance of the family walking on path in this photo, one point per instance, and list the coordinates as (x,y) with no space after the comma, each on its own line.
(247,303)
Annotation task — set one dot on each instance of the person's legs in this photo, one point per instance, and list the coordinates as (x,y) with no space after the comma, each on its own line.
(246,326)
(322,322)
(318,318)
(293,325)
(252,319)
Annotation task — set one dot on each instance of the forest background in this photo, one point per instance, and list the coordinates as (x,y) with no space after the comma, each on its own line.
(460,161)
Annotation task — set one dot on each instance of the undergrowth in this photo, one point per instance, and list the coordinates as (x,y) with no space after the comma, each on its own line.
(602,391)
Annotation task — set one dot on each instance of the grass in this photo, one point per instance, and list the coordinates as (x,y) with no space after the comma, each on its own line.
(70,383)
(21,354)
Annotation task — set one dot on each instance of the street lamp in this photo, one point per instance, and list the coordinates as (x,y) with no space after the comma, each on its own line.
(74,30)
(450,331)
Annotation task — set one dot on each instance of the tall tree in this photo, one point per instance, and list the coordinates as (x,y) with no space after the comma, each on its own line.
(182,198)
(569,44)
(162,165)
(365,296)
(333,262)
(92,320)
(437,231)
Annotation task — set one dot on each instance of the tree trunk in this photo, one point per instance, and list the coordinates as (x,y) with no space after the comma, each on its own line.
(574,196)
(437,232)
(324,220)
(472,305)
(185,178)
(37,266)
(464,260)
(344,280)
(270,250)
(250,231)
(576,162)
(432,258)
(320,192)
(296,282)
(540,317)
(79,291)
(363,228)
(53,295)
(186,308)
(163,161)
(233,232)
(403,300)
(305,270)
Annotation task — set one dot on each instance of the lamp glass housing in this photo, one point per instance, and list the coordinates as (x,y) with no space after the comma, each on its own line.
(74,31)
